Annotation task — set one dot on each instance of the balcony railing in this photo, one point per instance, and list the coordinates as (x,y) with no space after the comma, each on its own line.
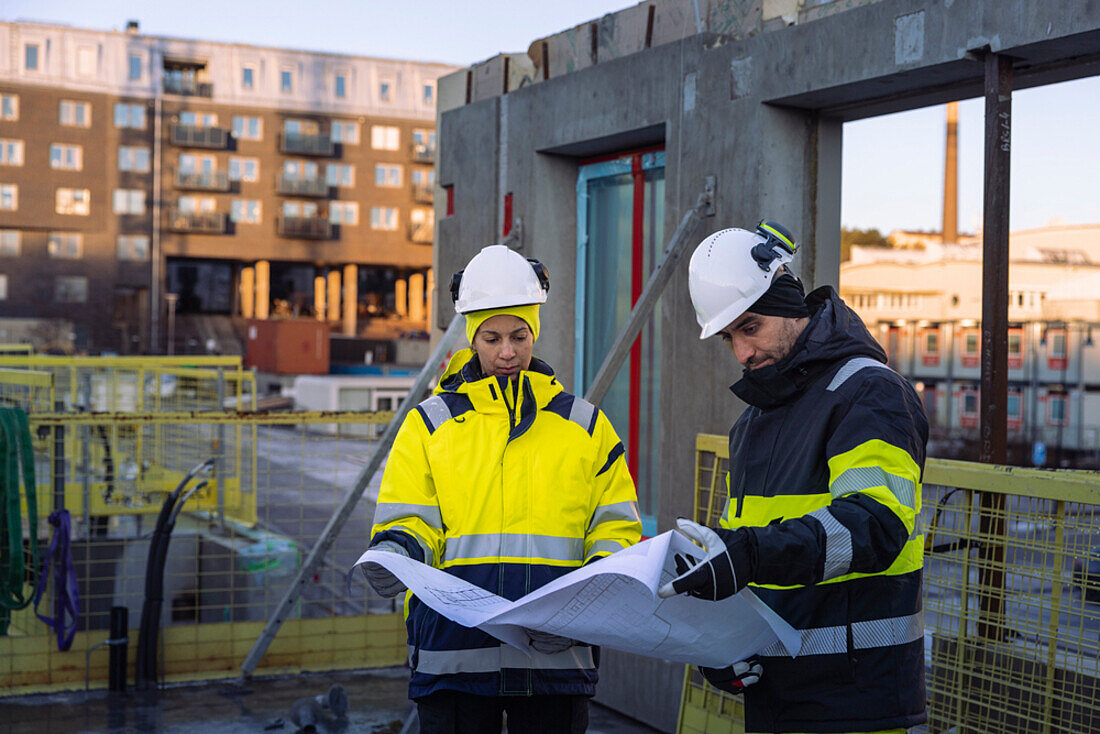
(307,144)
(188,88)
(295,186)
(420,232)
(196,222)
(423,193)
(194,136)
(423,152)
(203,180)
(306,228)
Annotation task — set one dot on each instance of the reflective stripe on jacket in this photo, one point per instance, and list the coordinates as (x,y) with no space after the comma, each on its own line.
(825,467)
(507,485)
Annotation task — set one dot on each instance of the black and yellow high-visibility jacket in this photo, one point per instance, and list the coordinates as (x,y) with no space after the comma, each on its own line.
(507,485)
(825,471)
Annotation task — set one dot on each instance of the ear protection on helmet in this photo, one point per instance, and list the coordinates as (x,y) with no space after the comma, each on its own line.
(778,241)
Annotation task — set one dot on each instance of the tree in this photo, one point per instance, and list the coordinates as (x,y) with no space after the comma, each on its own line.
(865,237)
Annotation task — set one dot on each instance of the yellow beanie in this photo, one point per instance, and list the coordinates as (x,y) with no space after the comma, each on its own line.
(529,313)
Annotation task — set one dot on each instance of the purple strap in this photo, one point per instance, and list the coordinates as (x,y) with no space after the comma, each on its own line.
(66,598)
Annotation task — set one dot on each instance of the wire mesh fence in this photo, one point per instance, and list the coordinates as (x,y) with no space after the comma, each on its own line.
(1011,599)
(237,543)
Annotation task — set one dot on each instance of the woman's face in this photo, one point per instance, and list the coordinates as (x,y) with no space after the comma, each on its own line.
(503,345)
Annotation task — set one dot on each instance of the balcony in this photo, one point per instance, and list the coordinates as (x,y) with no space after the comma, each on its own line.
(188,87)
(423,152)
(420,232)
(318,144)
(295,186)
(203,181)
(195,222)
(423,193)
(193,136)
(305,228)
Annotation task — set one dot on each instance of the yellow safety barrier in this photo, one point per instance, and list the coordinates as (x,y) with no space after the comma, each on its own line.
(237,544)
(1011,599)
(25,349)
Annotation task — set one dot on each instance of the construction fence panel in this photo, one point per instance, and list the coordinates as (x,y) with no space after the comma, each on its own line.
(1011,599)
(237,542)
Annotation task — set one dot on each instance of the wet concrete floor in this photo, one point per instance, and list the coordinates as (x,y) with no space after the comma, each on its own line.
(377,704)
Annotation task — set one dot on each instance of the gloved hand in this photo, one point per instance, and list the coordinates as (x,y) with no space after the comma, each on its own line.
(720,573)
(736,678)
(384,583)
(547,642)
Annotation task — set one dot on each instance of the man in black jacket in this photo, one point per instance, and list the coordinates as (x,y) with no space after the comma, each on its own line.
(822,520)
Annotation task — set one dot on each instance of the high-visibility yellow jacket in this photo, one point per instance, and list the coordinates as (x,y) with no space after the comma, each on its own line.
(825,478)
(507,485)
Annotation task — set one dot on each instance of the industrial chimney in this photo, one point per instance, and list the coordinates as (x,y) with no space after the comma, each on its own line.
(951,177)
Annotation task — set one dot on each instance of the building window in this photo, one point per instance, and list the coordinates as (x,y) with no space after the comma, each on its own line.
(248,128)
(73,201)
(1013,410)
(198,119)
(971,344)
(85,61)
(135,67)
(423,177)
(343,212)
(968,408)
(130,116)
(930,347)
(133,247)
(424,137)
(133,158)
(387,175)
(192,163)
(66,157)
(299,128)
(300,170)
(344,132)
(384,137)
(1015,348)
(11,152)
(299,209)
(74,114)
(9,107)
(340,174)
(429,94)
(247,211)
(383,217)
(11,242)
(286,81)
(1056,349)
(65,245)
(248,77)
(1057,410)
(3,287)
(197,204)
(129,201)
(71,289)
(30,57)
(9,197)
(244,169)
(341,85)
(385,91)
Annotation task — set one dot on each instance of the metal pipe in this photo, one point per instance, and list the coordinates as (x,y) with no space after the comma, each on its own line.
(116,669)
(154,255)
(994,374)
(58,462)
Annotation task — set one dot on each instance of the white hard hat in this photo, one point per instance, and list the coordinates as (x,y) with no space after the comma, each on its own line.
(498,277)
(732,268)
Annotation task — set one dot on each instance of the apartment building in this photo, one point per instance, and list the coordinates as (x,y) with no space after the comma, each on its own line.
(923,304)
(143,177)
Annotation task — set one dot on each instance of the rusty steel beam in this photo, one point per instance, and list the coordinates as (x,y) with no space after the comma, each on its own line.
(994,371)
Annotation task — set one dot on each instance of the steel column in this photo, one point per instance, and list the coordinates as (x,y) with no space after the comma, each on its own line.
(994,374)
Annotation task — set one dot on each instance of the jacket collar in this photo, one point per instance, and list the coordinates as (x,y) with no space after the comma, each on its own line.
(536,385)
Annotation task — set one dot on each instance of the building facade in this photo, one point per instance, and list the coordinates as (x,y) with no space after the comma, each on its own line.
(142,177)
(923,304)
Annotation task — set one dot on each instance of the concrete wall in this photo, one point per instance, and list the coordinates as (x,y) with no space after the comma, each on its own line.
(760,105)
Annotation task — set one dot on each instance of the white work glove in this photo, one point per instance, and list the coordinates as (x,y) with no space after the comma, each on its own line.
(547,642)
(384,583)
(720,573)
(736,678)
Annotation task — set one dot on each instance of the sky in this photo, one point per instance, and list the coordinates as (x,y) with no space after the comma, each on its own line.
(893,165)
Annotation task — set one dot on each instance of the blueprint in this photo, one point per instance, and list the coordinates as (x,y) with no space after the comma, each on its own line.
(612,602)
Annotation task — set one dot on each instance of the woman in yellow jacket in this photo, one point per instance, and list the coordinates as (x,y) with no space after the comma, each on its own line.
(507,481)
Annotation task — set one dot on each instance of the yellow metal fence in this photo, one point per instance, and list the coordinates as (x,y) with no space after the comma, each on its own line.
(1011,599)
(237,544)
